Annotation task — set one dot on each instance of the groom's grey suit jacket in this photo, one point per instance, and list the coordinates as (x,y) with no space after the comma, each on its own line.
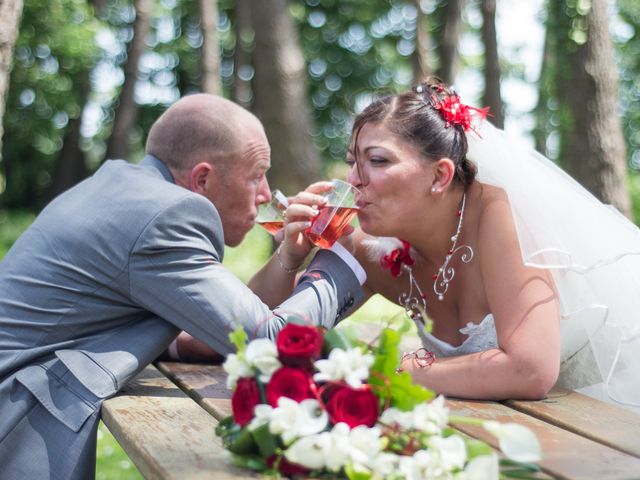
(99,285)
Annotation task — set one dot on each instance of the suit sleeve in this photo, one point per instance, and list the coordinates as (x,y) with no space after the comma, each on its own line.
(175,271)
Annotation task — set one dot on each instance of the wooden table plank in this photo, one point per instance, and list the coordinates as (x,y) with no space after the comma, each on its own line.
(165,433)
(206,384)
(565,454)
(589,417)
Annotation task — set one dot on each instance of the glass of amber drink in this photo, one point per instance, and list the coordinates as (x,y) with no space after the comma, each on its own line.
(333,218)
(271,215)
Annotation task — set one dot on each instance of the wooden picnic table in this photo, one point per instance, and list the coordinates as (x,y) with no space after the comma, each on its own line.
(166,417)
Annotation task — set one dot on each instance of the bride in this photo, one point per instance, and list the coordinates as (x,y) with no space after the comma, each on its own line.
(527,278)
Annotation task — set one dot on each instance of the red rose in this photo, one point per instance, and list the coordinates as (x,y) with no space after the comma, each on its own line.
(289,382)
(287,468)
(299,345)
(244,399)
(353,406)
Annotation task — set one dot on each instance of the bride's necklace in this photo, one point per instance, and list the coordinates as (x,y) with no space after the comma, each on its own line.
(400,259)
(445,272)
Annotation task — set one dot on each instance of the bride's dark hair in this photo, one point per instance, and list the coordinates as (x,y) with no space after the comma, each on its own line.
(413,116)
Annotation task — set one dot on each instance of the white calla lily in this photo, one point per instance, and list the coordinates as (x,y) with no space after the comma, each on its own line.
(451,450)
(517,442)
(482,467)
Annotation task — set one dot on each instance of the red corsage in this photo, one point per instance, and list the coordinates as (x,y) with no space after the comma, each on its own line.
(393,261)
(456,113)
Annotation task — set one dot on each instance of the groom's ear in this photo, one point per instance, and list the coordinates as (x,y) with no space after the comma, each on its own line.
(200,174)
(443,173)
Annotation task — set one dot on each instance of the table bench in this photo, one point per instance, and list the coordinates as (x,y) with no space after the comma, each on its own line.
(166,417)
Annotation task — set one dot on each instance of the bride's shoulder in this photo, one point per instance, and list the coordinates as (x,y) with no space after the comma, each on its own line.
(495,219)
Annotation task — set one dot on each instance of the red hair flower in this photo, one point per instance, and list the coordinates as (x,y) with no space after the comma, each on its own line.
(394,260)
(456,113)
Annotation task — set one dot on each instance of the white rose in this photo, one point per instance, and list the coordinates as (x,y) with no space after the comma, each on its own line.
(364,444)
(351,365)
(292,420)
(311,451)
(324,450)
(263,354)
(236,367)
(261,415)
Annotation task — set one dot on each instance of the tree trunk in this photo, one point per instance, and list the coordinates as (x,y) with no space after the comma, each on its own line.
(127,109)
(71,166)
(541,111)
(242,93)
(449,40)
(595,148)
(10,13)
(210,60)
(280,89)
(421,53)
(492,75)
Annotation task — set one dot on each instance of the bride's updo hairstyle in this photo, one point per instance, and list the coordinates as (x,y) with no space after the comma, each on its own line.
(416,116)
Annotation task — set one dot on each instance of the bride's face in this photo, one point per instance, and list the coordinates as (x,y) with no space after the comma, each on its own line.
(393,178)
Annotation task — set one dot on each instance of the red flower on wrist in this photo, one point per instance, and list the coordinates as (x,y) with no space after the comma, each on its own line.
(299,345)
(293,383)
(244,399)
(394,260)
(353,406)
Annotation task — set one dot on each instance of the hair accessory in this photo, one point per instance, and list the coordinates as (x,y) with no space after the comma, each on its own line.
(456,113)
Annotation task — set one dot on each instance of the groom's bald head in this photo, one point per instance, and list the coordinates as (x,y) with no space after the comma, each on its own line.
(200,128)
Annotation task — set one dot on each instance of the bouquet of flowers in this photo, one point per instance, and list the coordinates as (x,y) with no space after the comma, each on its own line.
(315,403)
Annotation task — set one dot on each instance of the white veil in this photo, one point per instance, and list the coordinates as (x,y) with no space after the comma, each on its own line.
(593,253)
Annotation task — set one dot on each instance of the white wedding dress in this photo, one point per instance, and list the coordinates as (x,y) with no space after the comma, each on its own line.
(593,253)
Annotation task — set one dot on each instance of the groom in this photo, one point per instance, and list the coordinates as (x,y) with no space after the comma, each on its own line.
(114,268)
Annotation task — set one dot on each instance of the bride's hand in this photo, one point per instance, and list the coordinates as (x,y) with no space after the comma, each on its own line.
(302,208)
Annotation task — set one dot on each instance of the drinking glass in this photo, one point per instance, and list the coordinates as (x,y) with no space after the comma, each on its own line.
(271,215)
(334,216)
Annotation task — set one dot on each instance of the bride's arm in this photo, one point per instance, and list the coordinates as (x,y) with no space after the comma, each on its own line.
(525,309)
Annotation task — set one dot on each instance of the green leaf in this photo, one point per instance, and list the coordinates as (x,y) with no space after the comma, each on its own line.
(353,474)
(241,442)
(507,462)
(226,426)
(477,448)
(335,339)
(254,462)
(266,441)
(239,338)
(398,387)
